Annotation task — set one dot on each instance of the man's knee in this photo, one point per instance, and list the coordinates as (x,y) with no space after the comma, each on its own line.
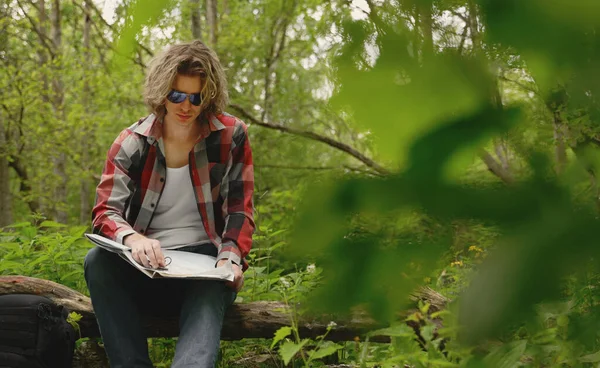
(97,261)
(212,290)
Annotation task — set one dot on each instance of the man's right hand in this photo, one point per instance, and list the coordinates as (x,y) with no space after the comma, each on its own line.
(145,251)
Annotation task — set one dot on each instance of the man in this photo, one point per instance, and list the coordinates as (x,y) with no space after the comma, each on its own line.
(181,178)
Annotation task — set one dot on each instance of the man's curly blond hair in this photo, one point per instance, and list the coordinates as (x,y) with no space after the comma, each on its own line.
(190,58)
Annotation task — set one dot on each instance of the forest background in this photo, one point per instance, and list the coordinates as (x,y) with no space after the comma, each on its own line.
(403,143)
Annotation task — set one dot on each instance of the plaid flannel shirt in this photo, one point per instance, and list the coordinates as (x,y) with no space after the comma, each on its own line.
(222,174)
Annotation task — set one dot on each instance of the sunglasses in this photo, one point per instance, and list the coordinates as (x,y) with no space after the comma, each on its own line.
(178,97)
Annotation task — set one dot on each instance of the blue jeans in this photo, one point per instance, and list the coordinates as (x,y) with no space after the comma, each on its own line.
(121,294)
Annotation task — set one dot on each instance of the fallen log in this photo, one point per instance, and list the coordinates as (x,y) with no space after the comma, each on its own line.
(243,320)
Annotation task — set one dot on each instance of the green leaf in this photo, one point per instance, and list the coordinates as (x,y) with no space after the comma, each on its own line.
(591,358)
(288,349)
(327,348)
(8,265)
(427,332)
(281,231)
(281,334)
(394,331)
(59,254)
(506,356)
(38,260)
(440,363)
(68,275)
(10,246)
(140,13)
(277,245)
(51,224)
(77,231)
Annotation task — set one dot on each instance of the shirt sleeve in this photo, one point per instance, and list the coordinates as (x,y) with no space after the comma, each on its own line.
(114,191)
(238,206)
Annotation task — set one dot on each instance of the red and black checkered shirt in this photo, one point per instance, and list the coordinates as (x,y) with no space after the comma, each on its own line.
(222,174)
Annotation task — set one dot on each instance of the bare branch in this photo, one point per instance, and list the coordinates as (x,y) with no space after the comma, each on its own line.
(374,16)
(108,44)
(314,136)
(15,163)
(523,86)
(463,38)
(46,41)
(461,16)
(319,168)
(99,15)
(275,52)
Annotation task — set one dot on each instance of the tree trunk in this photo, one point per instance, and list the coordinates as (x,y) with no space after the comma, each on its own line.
(25,187)
(417,38)
(43,27)
(60,161)
(226,10)
(494,167)
(278,36)
(559,143)
(248,320)
(6,217)
(84,194)
(196,23)
(41,185)
(502,153)
(212,23)
(474,26)
(427,29)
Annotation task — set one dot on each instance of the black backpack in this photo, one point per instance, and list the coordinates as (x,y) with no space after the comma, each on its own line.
(34,332)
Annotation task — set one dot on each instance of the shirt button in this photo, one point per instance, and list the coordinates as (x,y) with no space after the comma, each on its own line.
(162,180)
(152,205)
(142,231)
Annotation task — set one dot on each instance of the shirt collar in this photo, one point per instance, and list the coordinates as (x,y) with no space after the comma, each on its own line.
(151,126)
(214,123)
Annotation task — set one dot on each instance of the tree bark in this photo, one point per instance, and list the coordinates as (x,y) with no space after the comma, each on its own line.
(25,187)
(495,168)
(6,217)
(43,29)
(212,22)
(474,26)
(426,10)
(226,10)
(84,190)
(278,36)
(502,153)
(196,22)
(560,149)
(248,320)
(500,146)
(60,161)
(44,94)
(417,35)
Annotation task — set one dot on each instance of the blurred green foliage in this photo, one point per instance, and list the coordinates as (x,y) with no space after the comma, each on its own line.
(428,108)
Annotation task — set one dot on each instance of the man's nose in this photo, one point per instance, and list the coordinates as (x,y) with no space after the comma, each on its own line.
(186,104)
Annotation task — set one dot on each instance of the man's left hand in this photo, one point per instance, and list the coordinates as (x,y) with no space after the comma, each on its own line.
(238,275)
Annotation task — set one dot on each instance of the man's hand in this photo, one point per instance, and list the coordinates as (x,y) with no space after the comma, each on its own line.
(145,251)
(238,275)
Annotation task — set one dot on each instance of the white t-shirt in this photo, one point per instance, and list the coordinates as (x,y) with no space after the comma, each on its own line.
(176,221)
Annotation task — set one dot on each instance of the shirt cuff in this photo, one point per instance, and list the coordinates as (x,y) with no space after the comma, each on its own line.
(122,234)
(229,254)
